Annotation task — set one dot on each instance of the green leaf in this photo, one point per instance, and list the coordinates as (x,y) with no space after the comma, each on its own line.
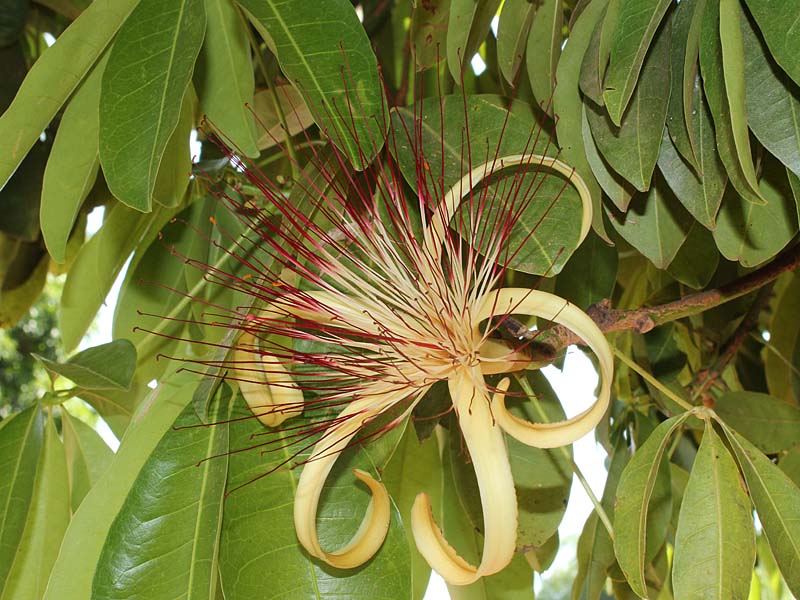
(685,49)
(784,327)
(54,77)
(631,145)
(116,406)
(771,424)
(777,21)
(753,233)
(643,478)
(637,21)
(96,267)
(172,517)
(777,501)
(773,101)
(108,366)
(87,455)
(544,49)
(295,111)
(697,259)
(790,464)
(323,49)
(429,31)
(717,65)
(175,169)
(20,443)
(590,274)
(259,538)
(467,28)
(71,578)
(616,188)
(715,546)
(224,76)
(512,35)
(701,194)
(591,71)
(72,167)
(22,281)
(148,72)
(549,226)
(567,104)
(414,468)
(46,523)
(656,224)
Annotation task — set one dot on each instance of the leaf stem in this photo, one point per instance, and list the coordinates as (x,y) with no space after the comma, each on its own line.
(631,364)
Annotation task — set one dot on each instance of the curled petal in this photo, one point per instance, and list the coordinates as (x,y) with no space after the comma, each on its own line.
(487,449)
(373,529)
(558,310)
(266,385)
(434,233)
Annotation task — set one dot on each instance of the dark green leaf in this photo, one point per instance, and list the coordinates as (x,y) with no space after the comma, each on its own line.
(700,194)
(656,224)
(429,31)
(54,77)
(71,578)
(771,424)
(591,71)
(544,49)
(512,35)
(108,366)
(22,278)
(753,233)
(20,443)
(637,23)
(72,167)
(773,101)
(590,274)
(778,24)
(19,198)
(715,542)
(224,77)
(777,501)
(87,455)
(325,52)
(47,520)
(643,478)
(781,373)
(172,517)
(730,120)
(631,146)
(697,259)
(567,104)
(13,20)
(665,357)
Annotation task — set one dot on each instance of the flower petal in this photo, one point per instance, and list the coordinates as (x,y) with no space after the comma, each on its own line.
(557,310)
(373,529)
(266,385)
(487,449)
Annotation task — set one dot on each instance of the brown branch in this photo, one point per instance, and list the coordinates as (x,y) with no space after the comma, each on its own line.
(646,318)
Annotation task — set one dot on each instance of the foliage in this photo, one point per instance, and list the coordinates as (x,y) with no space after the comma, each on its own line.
(681,118)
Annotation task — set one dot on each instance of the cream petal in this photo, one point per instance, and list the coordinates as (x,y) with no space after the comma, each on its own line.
(558,310)
(489,456)
(372,532)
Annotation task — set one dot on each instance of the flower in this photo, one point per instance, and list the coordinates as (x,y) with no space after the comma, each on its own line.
(365,311)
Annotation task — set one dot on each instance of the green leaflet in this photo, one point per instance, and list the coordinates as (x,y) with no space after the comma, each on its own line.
(784,327)
(512,35)
(87,455)
(777,22)
(543,51)
(108,366)
(771,424)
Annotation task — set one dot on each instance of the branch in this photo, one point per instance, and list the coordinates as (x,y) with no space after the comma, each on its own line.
(646,318)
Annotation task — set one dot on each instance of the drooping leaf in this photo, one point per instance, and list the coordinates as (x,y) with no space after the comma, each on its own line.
(87,456)
(72,167)
(333,67)
(71,578)
(780,368)
(616,188)
(108,366)
(630,145)
(656,224)
(753,233)
(773,101)
(54,77)
(730,119)
(224,76)
(777,501)
(512,35)
(20,443)
(777,21)
(697,259)
(148,71)
(567,104)
(715,545)
(467,28)
(172,517)
(544,49)
(699,192)
(550,224)
(638,483)
(429,31)
(47,520)
(770,424)
(590,82)
(638,21)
